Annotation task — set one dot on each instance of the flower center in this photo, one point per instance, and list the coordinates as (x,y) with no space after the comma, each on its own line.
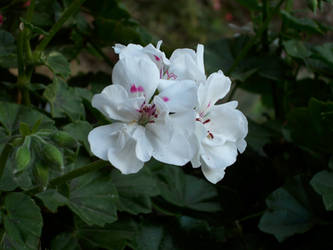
(148,114)
(205,121)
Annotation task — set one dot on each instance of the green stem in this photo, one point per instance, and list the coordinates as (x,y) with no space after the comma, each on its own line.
(75,5)
(71,175)
(252,216)
(252,41)
(102,54)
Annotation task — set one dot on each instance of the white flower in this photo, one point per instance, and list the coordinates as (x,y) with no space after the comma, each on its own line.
(185,64)
(149,52)
(220,129)
(159,126)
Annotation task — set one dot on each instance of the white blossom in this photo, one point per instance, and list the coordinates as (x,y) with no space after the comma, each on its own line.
(147,125)
(220,129)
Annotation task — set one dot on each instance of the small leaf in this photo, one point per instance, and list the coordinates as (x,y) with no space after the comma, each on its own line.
(23,221)
(63,101)
(92,197)
(322,182)
(301,24)
(135,191)
(64,139)
(112,236)
(8,58)
(65,241)
(58,64)
(80,130)
(296,49)
(185,190)
(288,211)
(324,53)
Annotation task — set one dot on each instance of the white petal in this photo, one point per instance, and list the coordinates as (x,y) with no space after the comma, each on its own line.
(213,175)
(183,63)
(215,88)
(178,151)
(139,72)
(164,84)
(227,122)
(180,96)
(200,58)
(115,103)
(131,50)
(200,134)
(125,160)
(241,145)
(219,156)
(143,149)
(102,138)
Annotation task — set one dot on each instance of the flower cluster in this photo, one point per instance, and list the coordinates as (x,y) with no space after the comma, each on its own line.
(167,109)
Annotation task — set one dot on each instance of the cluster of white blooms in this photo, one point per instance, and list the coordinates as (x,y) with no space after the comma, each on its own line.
(166,109)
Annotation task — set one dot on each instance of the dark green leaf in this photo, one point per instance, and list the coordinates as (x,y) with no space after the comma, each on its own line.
(8,57)
(324,53)
(250,4)
(112,236)
(11,115)
(301,24)
(23,155)
(296,49)
(80,130)
(23,221)
(63,101)
(135,191)
(92,197)
(58,64)
(65,241)
(322,182)
(288,211)
(185,190)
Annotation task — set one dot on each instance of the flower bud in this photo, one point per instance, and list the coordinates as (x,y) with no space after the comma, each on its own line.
(42,174)
(63,139)
(52,155)
(23,156)
(1,19)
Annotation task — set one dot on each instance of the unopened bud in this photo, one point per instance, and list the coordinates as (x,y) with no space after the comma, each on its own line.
(52,155)
(23,156)
(63,139)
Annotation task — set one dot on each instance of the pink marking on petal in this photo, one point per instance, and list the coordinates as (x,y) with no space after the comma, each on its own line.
(208,105)
(157,58)
(166,99)
(133,89)
(208,120)
(140,89)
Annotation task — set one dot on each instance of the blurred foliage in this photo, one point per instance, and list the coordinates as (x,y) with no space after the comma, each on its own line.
(279,193)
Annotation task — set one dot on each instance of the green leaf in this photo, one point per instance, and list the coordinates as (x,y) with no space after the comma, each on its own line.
(112,236)
(23,221)
(301,24)
(319,120)
(8,58)
(52,199)
(64,139)
(135,191)
(63,101)
(92,197)
(11,115)
(34,29)
(288,211)
(324,53)
(296,49)
(80,130)
(65,241)
(152,237)
(313,4)
(58,64)
(322,182)
(185,190)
